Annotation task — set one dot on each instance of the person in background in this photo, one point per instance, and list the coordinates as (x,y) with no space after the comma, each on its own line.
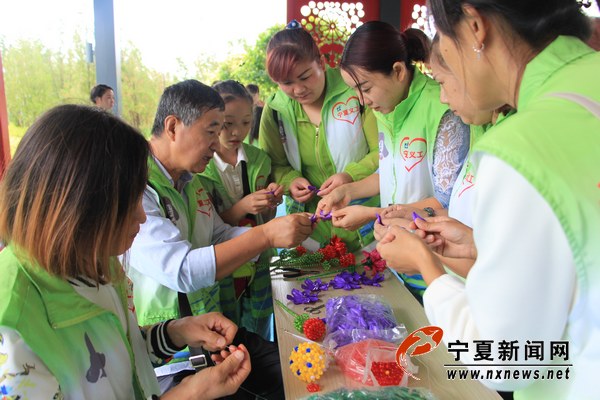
(103,96)
(532,57)
(315,130)
(71,202)
(254,91)
(184,248)
(422,144)
(238,182)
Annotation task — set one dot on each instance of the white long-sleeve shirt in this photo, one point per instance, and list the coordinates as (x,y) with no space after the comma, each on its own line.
(523,284)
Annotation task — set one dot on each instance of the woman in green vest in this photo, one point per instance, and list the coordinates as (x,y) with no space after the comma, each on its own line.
(422,144)
(238,180)
(71,202)
(536,213)
(315,130)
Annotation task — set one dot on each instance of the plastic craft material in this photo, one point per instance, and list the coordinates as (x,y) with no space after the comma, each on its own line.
(354,318)
(371,362)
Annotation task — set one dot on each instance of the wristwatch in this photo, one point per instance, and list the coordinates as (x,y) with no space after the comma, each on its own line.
(430,211)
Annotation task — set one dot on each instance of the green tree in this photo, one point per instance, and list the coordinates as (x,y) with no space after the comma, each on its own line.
(73,74)
(30,89)
(250,66)
(141,88)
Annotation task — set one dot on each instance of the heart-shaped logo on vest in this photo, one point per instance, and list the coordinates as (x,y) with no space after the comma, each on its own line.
(468,180)
(412,151)
(348,111)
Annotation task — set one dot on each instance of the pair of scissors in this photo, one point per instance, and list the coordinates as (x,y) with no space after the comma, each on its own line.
(314,310)
(289,272)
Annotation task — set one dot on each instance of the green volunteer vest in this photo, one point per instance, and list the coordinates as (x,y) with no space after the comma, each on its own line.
(161,303)
(554,143)
(52,318)
(406,143)
(339,107)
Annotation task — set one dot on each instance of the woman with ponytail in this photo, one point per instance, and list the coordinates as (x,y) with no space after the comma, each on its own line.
(422,144)
(536,212)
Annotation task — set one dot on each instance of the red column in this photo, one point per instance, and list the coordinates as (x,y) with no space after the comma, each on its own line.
(4,144)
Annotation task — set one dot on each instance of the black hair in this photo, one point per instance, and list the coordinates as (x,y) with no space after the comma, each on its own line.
(536,22)
(375,46)
(252,88)
(231,90)
(188,101)
(98,91)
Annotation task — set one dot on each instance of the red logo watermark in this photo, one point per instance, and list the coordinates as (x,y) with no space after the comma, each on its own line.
(421,341)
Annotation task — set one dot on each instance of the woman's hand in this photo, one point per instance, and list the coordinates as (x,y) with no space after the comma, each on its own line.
(380,230)
(447,237)
(215,382)
(276,191)
(353,217)
(407,253)
(335,200)
(299,190)
(402,211)
(334,181)
(213,331)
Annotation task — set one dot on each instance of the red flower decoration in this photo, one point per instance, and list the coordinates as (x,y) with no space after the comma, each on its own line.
(300,250)
(328,252)
(347,260)
(373,262)
(338,245)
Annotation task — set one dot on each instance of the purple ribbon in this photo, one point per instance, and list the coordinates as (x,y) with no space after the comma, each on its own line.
(417,216)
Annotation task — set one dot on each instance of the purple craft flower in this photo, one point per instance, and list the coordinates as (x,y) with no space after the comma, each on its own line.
(298,297)
(374,281)
(316,286)
(325,216)
(346,280)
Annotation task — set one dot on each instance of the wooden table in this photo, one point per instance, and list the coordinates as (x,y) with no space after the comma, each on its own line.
(406,310)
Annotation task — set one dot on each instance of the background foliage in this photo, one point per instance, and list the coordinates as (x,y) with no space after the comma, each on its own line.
(37,78)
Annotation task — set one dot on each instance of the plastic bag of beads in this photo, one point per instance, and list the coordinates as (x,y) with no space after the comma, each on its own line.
(372,362)
(354,318)
(387,393)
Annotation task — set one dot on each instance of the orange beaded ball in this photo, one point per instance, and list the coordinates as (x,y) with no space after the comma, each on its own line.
(308,362)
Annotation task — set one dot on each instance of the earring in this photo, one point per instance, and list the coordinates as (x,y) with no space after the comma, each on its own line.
(479,50)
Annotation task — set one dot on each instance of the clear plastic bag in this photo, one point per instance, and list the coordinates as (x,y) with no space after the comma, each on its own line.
(353,318)
(372,362)
(387,393)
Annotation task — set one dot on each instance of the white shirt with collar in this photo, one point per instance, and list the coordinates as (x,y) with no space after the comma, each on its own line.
(231,175)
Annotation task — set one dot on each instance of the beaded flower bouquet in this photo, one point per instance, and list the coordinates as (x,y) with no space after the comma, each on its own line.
(332,256)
